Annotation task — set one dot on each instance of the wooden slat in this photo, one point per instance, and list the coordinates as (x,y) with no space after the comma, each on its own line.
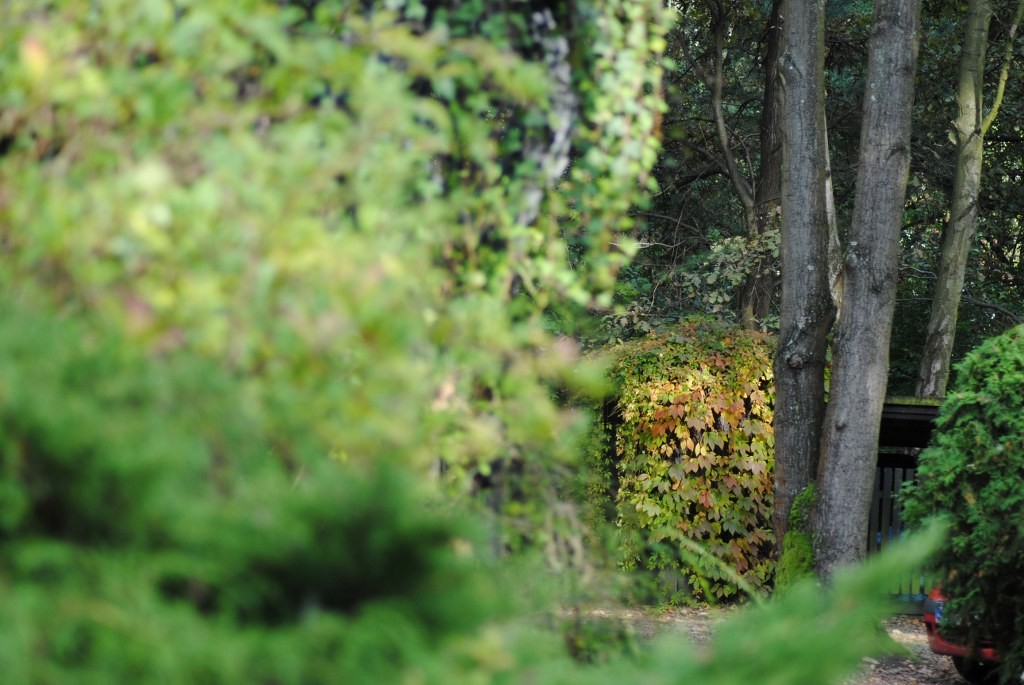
(876,506)
(917,580)
(886,526)
(897,526)
(886,506)
(887,488)
(886,523)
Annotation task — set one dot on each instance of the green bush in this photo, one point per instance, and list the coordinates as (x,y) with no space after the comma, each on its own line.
(973,475)
(85,445)
(150,535)
(283,267)
(690,427)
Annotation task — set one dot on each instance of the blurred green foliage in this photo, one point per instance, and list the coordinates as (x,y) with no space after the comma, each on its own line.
(136,550)
(971,475)
(149,534)
(273,189)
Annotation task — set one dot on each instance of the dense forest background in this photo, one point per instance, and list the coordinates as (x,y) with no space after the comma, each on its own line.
(698,249)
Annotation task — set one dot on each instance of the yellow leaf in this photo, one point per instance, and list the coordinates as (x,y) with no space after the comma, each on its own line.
(35,58)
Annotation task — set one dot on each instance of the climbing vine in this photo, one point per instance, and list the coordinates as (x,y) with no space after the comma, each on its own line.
(692,445)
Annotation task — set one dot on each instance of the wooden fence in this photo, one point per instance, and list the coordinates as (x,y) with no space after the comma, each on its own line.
(905,430)
(886,526)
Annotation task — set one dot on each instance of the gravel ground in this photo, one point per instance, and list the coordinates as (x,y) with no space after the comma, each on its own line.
(918,667)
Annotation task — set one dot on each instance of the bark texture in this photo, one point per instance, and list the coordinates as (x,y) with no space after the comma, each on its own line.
(550,152)
(860,360)
(806,313)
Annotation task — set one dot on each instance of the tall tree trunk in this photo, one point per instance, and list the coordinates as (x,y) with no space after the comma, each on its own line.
(756,294)
(860,360)
(806,312)
(550,151)
(971,125)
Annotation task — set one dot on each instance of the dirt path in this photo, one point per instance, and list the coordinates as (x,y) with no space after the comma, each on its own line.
(920,667)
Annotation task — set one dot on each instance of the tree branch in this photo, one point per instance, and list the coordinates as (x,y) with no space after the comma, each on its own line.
(1008,313)
(741,184)
(1005,311)
(675,219)
(715,82)
(1004,72)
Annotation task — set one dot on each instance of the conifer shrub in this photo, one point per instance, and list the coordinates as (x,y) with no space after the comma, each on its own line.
(973,475)
(692,454)
(288,257)
(149,534)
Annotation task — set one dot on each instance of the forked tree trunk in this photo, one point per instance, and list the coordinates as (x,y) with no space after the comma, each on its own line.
(806,312)
(860,360)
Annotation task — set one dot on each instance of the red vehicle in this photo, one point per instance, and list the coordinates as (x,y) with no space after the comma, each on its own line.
(978,664)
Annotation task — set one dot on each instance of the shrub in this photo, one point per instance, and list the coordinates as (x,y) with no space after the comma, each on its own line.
(149,534)
(973,474)
(293,254)
(85,445)
(359,207)
(691,431)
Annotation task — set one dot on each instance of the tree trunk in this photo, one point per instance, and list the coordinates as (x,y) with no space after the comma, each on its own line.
(550,151)
(758,289)
(971,125)
(860,356)
(806,311)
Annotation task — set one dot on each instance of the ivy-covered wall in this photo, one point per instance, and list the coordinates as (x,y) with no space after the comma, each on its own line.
(686,452)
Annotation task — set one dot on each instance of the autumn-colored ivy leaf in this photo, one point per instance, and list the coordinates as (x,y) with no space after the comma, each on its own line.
(706,413)
(696,422)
